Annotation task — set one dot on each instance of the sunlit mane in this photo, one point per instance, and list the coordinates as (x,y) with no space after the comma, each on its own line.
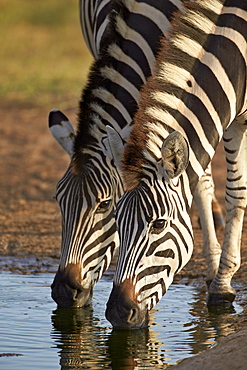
(161,96)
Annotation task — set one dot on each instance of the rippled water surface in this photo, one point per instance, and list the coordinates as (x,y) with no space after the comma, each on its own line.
(36,335)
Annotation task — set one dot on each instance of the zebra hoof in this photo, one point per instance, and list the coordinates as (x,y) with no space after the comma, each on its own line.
(220,302)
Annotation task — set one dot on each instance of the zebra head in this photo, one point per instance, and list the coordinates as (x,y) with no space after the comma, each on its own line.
(87,196)
(155,236)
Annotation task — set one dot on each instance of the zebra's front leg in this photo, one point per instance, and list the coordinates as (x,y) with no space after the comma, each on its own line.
(235,142)
(204,198)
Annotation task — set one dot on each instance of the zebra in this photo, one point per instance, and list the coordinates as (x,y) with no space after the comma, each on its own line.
(196,97)
(88,192)
(94,18)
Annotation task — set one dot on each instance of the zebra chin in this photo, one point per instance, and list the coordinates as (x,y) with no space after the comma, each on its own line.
(67,290)
(122,310)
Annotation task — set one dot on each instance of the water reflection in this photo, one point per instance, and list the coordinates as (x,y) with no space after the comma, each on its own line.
(80,340)
(208,327)
(180,326)
(140,350)
(178,329)
(85,345)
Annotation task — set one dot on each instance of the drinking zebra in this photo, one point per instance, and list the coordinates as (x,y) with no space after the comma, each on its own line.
(197,96)
(88,192)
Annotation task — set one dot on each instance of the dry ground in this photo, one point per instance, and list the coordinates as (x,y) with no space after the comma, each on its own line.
(31,164)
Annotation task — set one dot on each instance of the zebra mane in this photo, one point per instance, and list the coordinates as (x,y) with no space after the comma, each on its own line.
(96,96)
(157,107)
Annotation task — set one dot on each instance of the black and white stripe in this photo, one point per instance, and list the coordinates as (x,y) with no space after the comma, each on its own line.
(89,190)
(125,43)
(197,96)
(94,19)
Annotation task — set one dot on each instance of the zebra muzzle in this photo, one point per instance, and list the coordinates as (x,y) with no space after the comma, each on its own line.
(67,290)
(122,309)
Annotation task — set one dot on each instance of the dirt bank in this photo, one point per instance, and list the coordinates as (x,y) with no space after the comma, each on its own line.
(31,164)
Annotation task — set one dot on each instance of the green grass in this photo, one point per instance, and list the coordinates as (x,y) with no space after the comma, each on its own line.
(44,60)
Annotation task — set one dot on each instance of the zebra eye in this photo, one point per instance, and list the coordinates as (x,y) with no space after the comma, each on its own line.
(158,225)
(103,206)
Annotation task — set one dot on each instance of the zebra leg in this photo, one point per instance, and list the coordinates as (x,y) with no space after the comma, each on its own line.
(205,187)
(204,197)
(235,142)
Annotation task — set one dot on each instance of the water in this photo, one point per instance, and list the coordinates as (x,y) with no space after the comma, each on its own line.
(36,335)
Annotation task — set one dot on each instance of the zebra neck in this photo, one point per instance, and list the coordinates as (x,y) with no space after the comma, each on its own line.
(95,155)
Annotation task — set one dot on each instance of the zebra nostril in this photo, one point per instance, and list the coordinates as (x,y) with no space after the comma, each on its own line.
(133,316)
(77,294)
(84,295)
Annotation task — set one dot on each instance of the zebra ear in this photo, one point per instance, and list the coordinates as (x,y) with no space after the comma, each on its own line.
(175,154)
(62,130)
(116,145)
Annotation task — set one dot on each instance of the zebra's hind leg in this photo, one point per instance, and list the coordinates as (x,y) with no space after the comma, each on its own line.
(205,201)
(220,291)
